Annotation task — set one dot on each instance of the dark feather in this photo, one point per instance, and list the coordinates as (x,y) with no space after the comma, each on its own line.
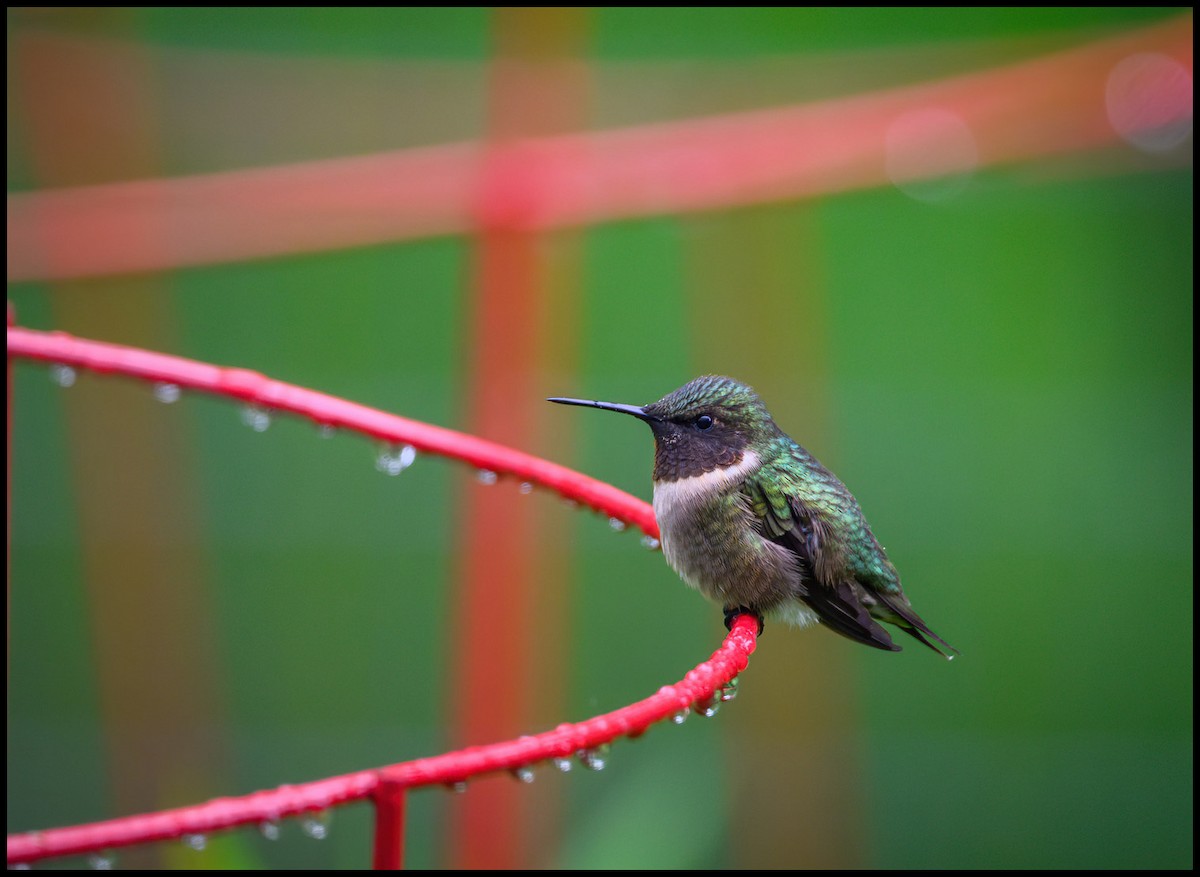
(848,605)
(840,609)
(838,602)
(894,609)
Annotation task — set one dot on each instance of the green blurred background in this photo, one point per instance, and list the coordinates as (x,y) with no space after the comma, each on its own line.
(1003,377)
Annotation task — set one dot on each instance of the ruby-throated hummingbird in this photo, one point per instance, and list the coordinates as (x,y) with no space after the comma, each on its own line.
(752,520)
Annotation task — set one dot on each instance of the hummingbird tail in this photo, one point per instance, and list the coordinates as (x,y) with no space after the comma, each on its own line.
(897,612)
(842,610)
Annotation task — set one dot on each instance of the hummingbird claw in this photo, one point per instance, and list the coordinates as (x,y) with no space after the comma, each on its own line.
(732,612)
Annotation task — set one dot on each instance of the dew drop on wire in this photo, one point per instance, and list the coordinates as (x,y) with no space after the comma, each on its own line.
(167,392)
(593,759)
(101,861)
(486,476)
(63,375)
(523,773)
(707,708)
(326,430)
(650,543)
(457,787)
(617,524)
(258,419)
(680,717)
(269,829)
(195,842)
(729,690)
(316,825)
(393,461)
(563,764)
(526,487)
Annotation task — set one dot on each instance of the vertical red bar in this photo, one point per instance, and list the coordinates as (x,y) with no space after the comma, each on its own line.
(388,852)
(496,566)
(534,91)
(12,321)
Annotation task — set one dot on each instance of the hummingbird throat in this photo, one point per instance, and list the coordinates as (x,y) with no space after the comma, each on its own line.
(678,457)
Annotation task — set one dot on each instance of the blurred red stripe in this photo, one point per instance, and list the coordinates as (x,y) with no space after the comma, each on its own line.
(1041,107)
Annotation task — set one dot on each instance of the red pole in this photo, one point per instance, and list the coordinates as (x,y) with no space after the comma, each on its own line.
(534,85)
(12,320)
(388,852)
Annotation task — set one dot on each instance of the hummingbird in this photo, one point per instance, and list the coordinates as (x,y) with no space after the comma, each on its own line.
(755,523)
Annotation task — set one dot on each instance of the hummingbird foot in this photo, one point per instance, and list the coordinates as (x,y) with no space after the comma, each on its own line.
(732,612)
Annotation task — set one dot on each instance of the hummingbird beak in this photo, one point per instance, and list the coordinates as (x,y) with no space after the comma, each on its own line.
(636,410)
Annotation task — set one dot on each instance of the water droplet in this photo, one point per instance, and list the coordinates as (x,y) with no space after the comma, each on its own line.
(316,825)
(167,393)
(258,419)
(486,476)
(680,717)
(564,764)
(101,861)
(326,430)
(570,502)
(729,690)
(650,543)
(617,524)
(526,487)
(523,773)
(63,375)
(458,788)
(707,708)
(269,829)
(21,866)
(195,842)
(593,759)
(393,461)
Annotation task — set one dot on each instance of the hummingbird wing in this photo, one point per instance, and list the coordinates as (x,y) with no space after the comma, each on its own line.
(837,598)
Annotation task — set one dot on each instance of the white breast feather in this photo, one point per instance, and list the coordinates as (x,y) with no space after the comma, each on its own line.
(673,498)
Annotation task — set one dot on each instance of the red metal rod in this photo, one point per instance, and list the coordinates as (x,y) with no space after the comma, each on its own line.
(8,423)
(256,389)
(699,686)
(388,851)
(385,785)
(200,819)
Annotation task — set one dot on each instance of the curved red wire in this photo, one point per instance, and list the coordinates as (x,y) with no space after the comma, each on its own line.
(256,389)
(700,686)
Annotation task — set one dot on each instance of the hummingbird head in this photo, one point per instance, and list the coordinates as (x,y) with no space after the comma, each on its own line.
(709,423)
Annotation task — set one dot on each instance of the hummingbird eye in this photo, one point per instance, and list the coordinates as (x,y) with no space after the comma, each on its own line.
(704,422)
